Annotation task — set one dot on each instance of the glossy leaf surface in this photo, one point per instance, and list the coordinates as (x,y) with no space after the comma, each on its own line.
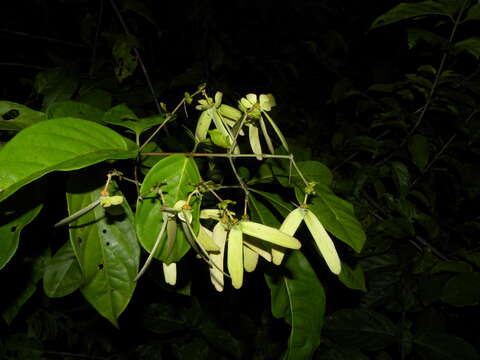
(299,298)
(105,245)
(338,217)
(175,176)
(74,109)
(59,144)
(16,117)
(122,115)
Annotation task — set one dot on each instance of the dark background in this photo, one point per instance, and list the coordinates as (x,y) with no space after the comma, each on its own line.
(309,54)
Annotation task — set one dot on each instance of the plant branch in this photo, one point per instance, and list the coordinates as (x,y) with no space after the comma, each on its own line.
(437,76)
(442,150)
(44,38)
(436,81)
(23,65)
(167,119)
(224,155)
(95,40)
(386,213)
(139,57)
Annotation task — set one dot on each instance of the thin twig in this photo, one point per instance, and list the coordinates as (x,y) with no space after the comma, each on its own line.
(139,57)
(167,119)
(442,150)
(292,161)
(436,81)
(225,155)
(95,40)
(386,213)
(63,353)
(44,38)
(28,66)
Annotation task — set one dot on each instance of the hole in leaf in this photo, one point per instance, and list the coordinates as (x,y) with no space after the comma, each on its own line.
(10,115)
(107,243)
(100,266)
(104,231)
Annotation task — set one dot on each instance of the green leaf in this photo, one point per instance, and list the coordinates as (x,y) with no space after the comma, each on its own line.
(219,139)
(125,62)
(405,11)
(440,346)
(338,217)
(311,170)
(456,266)
(276,201)
(419,150)
(74,109)
(60,144)
(401,176)
(298,297)
(462,290)
(360,328)
(473,13)
(175,176)
(105,246)
(416,35)
(63,274)
(261,214)
(55,84)
(139,8)
(98,98)
(122,115)
(17,212)
(353,279)
(16,117)
(471,45)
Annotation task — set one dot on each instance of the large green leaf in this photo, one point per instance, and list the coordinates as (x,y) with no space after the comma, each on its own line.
(74,109)
(15,116)
(63,274)
(338,217)
(440,346)
(298,297)
(105,244)
(59,144)
(405,11)
(361,328)
(17,212)
(175,176)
